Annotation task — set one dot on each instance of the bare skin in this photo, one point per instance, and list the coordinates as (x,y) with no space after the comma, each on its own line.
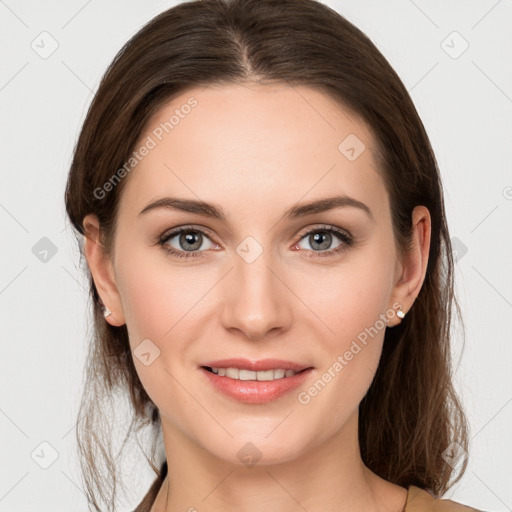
(255,151)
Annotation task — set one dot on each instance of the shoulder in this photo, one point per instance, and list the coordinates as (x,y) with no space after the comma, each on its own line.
(420,500)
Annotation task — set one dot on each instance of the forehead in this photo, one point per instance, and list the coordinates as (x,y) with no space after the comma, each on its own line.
(254,147)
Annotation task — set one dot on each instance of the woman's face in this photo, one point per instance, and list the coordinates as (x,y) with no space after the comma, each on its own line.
(260,282)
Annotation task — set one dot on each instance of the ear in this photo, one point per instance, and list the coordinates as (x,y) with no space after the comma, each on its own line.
(102,271)
(410,274)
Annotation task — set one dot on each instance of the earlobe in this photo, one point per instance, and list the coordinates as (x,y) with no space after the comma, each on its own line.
(414,265)
(101,269)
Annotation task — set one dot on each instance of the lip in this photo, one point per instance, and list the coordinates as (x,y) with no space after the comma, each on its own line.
(257,366)
(254,391)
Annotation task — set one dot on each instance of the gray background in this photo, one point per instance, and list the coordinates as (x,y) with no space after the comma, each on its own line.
(465,101)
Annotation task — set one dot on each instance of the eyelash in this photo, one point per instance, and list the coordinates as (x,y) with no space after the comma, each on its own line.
(346,239)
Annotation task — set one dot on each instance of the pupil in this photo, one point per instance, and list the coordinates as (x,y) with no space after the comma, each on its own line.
(190,238)
(318,237)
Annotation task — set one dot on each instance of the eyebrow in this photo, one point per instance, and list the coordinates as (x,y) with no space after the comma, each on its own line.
(297,211)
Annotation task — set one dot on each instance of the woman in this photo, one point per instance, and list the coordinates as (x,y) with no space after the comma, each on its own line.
(270,267)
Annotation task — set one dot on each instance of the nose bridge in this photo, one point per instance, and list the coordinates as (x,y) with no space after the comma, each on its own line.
(256,302)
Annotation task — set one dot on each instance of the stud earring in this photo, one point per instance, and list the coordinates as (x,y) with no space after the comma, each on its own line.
(106,312)
(400,313)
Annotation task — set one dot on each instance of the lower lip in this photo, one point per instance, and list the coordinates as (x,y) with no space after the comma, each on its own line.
(253,391)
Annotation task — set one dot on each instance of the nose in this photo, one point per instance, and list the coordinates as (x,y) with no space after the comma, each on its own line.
(257,299)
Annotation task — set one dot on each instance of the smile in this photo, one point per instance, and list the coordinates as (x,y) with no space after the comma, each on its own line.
(254,387)
(241,374)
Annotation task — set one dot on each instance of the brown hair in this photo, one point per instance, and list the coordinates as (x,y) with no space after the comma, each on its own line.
(411,413)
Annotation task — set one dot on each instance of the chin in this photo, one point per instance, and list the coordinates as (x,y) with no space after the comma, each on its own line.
(258,449)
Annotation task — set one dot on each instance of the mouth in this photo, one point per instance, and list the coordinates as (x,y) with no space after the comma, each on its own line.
(243,374)
(257,382)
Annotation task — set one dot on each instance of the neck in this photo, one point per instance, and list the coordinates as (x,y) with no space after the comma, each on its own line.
(329,476)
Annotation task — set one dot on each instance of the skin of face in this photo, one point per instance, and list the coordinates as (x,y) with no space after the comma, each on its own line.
(255,151)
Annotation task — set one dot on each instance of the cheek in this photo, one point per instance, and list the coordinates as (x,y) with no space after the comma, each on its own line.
(349,356)
(352,302)
(157,305)
(151,293)
(163,303)
(351,298)
(148,301)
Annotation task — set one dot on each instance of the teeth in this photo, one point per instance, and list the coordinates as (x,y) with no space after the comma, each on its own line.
(237,374)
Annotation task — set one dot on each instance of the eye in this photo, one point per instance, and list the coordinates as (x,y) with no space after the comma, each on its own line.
(322,238)
(189,241)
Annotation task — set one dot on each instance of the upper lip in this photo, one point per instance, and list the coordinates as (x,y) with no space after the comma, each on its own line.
(257,366)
